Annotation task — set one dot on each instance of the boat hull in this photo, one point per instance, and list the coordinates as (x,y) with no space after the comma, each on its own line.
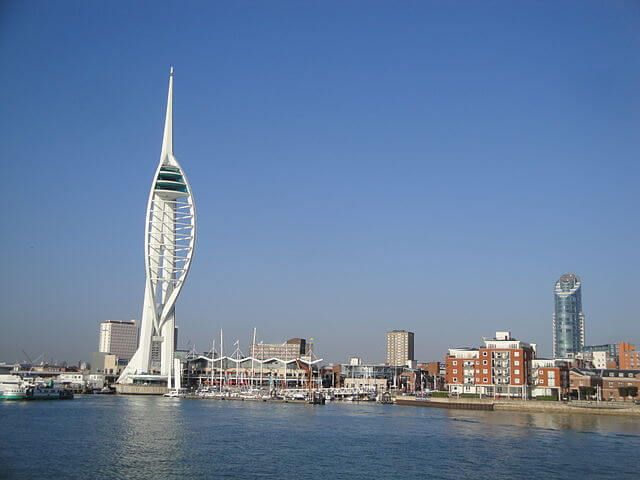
(13,396)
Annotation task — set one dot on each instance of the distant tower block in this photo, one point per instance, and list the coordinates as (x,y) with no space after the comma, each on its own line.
(568,317)
(399,347)
(170,233)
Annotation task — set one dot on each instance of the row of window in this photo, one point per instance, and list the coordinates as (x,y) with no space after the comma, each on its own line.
(484,362)
(485,371)
(486,380)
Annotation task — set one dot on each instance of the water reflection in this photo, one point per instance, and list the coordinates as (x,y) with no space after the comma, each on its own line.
(604,424)
(159,438)
(152,437)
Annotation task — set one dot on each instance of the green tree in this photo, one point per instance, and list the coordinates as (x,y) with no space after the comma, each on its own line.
(623,392)
(586,392)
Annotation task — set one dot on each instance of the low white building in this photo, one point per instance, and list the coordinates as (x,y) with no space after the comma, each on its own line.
(95,381)
(74,379)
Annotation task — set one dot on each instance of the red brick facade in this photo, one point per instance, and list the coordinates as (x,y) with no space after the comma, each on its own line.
(629,357)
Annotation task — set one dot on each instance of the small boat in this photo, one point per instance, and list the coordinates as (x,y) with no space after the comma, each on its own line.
(176,393)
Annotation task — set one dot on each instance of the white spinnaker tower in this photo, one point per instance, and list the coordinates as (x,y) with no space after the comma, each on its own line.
(170,233)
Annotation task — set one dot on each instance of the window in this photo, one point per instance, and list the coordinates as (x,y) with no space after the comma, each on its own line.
(484,354)
(517,380)
(484,362)
(455,362)
(485,380)
(455,380)
(455,370)
(516,363)
(516,354)
(485,371)
(516,372)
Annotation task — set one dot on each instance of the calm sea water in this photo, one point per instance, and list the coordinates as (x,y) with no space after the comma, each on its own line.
(158,438)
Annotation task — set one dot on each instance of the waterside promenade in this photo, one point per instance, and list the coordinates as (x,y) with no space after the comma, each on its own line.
(590,408)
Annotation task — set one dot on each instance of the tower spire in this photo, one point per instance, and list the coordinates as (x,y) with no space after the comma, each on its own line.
(167,139)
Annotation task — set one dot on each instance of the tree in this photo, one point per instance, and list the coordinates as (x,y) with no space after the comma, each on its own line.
(623,392)
(632,391)
(587,392)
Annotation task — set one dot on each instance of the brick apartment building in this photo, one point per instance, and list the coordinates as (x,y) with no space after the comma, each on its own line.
(613,380)
(550,378)
(628,356)
(500,368)
(603,384)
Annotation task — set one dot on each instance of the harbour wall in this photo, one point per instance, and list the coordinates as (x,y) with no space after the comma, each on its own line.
(521,406)
(124,389)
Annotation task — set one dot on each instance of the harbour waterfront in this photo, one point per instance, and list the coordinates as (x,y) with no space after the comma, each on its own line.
(152,437)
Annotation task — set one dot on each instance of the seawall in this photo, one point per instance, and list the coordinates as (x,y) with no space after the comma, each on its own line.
(522,406)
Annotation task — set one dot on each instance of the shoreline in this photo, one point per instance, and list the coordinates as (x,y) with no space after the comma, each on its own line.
(531,406)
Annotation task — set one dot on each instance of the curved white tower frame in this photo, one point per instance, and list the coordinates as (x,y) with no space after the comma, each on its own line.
(169,239)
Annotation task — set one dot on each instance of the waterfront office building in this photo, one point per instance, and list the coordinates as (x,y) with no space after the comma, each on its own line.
(399,347)
(568,318)
(170,232)
(119,337)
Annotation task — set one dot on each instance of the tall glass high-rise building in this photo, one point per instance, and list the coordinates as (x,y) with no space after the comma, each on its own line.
(568,318)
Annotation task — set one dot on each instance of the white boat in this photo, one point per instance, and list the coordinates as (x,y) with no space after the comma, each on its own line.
(12,392)
(176,393)
(12,388)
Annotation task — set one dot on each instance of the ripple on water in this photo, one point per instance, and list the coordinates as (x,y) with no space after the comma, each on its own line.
(157,438)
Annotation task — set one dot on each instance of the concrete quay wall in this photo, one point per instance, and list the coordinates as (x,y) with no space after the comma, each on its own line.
(557,407)
(123,389)
(519,406)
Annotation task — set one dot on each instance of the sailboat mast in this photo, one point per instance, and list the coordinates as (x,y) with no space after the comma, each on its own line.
(213,354)
(221,350)
(253,352)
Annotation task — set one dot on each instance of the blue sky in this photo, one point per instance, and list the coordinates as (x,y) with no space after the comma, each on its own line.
(356,166)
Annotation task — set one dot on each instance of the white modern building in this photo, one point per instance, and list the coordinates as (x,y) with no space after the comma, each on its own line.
(170,232)
(119,337)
